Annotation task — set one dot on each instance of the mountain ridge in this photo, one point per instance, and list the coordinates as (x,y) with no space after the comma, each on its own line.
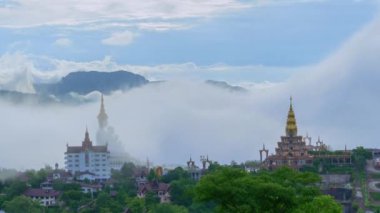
(85,82)
(76,87)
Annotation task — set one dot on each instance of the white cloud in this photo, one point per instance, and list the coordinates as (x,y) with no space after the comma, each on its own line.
(63,42)
(285,2)
(162,26)
(337,99)
(248,75)
(31,13)
(120,38)
(16,73)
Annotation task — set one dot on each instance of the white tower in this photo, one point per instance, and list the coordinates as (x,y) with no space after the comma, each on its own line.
(102,116)
(107,136)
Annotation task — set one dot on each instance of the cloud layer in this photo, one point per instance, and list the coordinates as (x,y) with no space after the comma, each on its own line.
(120,38)
(71,13)
(45,69)
(63,42)
(169,122)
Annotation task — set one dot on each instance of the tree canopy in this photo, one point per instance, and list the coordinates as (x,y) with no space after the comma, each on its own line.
(22,204)
(234,190)
(360,157)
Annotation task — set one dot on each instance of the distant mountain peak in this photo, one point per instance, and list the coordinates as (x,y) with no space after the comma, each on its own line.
(85,82)
(225,85)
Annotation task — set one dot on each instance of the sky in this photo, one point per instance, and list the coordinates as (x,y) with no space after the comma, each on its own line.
(322,52)
(270,33)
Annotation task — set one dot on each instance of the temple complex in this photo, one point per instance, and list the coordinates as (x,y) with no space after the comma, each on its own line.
(293,151)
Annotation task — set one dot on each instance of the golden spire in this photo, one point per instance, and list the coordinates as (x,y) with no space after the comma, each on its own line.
(291,124)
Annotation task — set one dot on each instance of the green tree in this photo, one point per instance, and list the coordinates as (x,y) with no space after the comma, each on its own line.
(136,205)
(36,177)
(152,175)
(198,207)
(320,204)
(22,204)
(151,199)
(105,210)
(61,186)
(15,188)
(3,198)
(303,183)
(234,190)
(182,192)
(124,179)
(168,208)
(360,157)
(214,166)
(128,170)
(1,186)
(104,201)
(74,199)
(175,174)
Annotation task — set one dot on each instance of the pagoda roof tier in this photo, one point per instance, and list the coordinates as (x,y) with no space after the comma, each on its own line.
(86,146)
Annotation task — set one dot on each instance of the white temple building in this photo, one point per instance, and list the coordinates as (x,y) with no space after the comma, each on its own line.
(88,161)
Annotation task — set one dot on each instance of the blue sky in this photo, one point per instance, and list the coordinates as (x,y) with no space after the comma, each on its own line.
(289,34)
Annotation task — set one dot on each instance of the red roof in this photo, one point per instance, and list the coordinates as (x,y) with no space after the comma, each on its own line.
(41,193)
(62,173)
(93,186)
(79,173)
(86,145)
(78,149)
(154,186)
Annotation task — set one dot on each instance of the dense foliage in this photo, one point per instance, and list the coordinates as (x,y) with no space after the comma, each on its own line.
(222,189)
(22,204)
(360,157)
(284,190)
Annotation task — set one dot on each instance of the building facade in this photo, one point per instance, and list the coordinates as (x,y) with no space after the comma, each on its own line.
(90,159)
(162,190)
(46,197)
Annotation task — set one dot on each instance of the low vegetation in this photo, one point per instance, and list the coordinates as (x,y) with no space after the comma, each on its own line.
(375,196)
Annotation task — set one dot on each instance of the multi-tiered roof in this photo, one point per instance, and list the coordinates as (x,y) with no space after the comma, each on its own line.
(291,150)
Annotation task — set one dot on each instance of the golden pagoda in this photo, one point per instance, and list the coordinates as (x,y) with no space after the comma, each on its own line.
(291,150)
(291,123)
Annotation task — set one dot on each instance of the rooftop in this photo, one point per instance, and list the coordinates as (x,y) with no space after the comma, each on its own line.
(86,146)
(41,193)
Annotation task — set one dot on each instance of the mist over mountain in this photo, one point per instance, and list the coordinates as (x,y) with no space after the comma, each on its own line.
(78,87)
(74,88)
(225,85)
(84,83)
(19,97)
